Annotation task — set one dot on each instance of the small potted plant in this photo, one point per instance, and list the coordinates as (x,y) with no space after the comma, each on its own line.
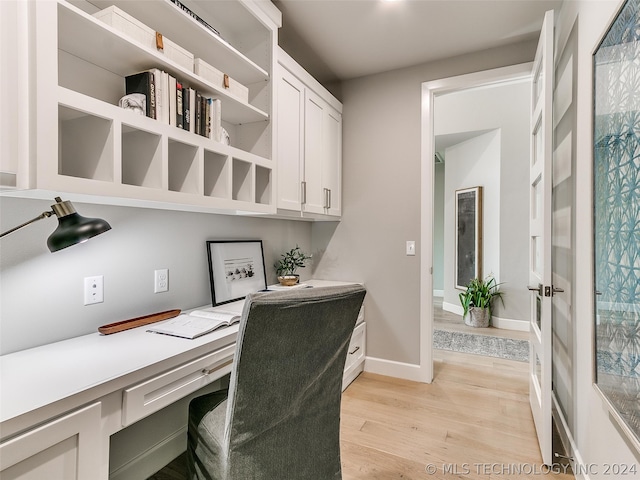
(287,266)
(477,301)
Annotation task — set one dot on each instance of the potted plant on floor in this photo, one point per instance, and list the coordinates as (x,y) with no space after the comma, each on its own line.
(287,266)
(477,301)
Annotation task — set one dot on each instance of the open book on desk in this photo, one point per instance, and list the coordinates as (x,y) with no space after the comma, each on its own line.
(196,323)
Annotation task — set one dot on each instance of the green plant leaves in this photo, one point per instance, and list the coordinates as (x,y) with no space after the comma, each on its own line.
(480,293)
(291,261)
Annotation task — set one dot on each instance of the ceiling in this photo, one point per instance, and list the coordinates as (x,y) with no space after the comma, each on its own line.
(338,40)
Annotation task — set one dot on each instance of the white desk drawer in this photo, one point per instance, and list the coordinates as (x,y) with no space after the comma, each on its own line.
(356,347)
(151,395)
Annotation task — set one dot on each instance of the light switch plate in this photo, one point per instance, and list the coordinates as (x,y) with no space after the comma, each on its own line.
(411,247)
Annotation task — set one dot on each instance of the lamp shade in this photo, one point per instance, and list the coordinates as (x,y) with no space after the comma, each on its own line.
(72,227)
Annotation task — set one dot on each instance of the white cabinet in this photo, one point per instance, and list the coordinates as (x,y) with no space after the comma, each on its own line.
(14,97)
(85,144)
(354,364)
(308,143)
(68,448)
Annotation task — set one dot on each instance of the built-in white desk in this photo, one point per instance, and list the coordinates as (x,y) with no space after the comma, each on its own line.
(60,403)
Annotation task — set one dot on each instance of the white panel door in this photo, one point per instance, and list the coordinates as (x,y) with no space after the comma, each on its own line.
(540,239)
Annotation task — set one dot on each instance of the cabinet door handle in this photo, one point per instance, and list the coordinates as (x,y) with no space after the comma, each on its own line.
(329,202)
(354,350)
(303,192)
(326,197)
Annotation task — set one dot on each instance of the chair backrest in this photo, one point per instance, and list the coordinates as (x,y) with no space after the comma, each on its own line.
(283,413)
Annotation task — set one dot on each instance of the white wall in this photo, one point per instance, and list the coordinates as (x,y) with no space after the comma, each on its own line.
(472,163)
(42,293)
(381,181)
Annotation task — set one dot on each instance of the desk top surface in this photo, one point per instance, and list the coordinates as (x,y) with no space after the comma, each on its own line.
(40,376)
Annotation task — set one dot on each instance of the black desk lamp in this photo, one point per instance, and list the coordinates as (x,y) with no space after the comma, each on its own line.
(72,228)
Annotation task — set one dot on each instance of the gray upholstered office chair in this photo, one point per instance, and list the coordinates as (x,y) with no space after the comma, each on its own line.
(280,417)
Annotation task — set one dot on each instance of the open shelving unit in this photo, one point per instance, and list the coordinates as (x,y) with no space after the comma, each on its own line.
(85,144)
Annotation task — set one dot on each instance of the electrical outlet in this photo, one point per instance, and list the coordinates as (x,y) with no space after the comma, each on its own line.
(161,281)
(93,290)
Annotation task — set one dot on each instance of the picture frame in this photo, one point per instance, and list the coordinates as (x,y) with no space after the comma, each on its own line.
(468,247)
(616,217)
(236,269)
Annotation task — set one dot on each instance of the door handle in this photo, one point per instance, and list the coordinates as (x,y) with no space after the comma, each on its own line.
(556,290)
(536,289)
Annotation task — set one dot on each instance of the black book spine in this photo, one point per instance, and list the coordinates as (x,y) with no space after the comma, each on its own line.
(198,112)
(179,107)
(186,113)
(143,82)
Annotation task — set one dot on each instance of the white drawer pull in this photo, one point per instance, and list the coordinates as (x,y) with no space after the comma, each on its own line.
(210,370)
(354,350)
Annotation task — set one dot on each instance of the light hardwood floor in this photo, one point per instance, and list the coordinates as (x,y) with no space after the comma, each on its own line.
(472,422)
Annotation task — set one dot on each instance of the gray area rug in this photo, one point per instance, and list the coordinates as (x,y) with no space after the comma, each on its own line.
(486,345)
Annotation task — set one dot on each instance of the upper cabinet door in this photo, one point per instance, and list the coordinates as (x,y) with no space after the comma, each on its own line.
(309,154)
(314,153)
(290,140)
(332,165)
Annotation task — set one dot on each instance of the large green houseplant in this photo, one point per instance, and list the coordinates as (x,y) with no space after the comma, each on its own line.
(477,301)
(288,264)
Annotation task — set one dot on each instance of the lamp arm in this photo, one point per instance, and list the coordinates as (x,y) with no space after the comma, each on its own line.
(39,217)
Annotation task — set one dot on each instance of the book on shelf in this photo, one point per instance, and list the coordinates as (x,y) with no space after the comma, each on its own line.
(198,110)
(207,118)
(197,323)
(192,110)
(172,100)
(143,83)
(162,90)
(158,82)
(216,120)
(179,106)
(186,115)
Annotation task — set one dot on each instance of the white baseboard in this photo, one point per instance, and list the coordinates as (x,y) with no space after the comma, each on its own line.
(453,308)
(438,293)
(503,323)
(565,432)
(390,368)
(153,459)
(509,324)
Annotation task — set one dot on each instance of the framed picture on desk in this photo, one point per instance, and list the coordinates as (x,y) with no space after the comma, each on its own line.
(236,268)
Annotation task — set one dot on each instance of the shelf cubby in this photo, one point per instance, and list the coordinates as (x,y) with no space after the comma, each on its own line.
(183,167)
(141,158)
(88,146)
(242,181)
(216,174)
(263,185)
(85,145)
